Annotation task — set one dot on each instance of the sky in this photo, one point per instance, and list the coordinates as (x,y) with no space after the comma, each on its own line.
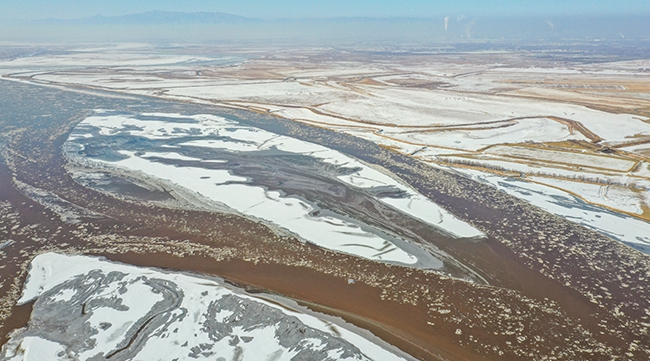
(69,9)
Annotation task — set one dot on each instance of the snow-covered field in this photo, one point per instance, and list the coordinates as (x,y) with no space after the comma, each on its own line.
(88,308)
(573,158)
(292,213)
(480,136)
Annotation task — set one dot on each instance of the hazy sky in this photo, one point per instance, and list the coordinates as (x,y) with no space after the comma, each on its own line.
(37,9)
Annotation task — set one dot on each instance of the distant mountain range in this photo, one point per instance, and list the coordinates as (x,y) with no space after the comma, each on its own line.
(154,17)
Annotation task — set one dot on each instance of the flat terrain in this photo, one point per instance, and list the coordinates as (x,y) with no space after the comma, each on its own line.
(554,118)
(545,287)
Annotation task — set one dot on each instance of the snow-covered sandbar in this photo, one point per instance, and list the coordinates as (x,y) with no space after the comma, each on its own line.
(205,133)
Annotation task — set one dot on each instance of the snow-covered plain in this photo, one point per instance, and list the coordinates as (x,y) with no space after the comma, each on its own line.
(369,104)
(574,158)
(482,135)
(292,213)
(88,308)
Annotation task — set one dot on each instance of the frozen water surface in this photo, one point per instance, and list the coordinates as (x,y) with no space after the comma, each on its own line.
(167,139)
